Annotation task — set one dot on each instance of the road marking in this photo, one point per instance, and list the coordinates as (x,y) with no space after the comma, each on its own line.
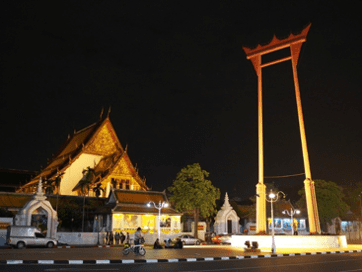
(103,261)
(127,261)
(14,262)
(274,266)
(75,261)
(45,262)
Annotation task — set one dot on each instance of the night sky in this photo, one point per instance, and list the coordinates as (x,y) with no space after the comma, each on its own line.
(180,87)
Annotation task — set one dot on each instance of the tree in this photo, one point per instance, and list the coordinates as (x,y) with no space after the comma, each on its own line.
(353,198)
(57,181)
(330,200)
(85,183)
(49,187)
(98,189)
(193,192)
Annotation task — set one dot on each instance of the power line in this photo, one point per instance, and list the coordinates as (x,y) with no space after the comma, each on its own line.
(286,176)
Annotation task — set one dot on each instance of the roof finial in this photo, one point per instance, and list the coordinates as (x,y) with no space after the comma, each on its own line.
(109,111)
(226,201)
(101,115)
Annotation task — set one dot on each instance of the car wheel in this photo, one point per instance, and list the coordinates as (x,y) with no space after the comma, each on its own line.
(50,244)
(197,242)
(20,245)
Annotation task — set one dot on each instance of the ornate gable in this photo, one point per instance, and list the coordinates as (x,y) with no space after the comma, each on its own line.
(123,167)
(105,141)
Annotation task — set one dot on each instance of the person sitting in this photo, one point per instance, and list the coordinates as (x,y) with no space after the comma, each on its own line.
(178,244)
(168,243)
(157,245)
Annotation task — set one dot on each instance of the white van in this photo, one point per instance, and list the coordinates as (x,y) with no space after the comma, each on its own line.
(22,236)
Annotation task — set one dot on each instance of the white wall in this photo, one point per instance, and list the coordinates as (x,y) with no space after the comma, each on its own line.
(292,241)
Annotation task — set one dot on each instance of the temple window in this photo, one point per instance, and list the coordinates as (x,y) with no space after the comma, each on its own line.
(127,185)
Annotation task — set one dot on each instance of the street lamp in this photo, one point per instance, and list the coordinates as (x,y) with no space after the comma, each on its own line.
(291,213)
(159,207)
(273,197)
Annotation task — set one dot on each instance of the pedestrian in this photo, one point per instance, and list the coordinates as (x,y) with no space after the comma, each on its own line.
(137,239)
(107,238)
(127,239)
(116,237)
(295,226)
(123,237)
(111,238)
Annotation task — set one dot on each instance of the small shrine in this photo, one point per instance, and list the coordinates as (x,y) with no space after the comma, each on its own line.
(226,220)
(38,212)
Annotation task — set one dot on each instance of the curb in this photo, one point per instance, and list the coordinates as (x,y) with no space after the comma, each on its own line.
(131,261)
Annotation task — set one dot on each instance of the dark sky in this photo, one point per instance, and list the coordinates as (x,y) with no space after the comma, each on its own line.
(180,87)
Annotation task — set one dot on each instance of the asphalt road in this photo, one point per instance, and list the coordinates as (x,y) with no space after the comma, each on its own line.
(341,262)
(347,262)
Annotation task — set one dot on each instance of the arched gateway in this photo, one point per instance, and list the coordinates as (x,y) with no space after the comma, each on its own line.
(38,211)
(226,220)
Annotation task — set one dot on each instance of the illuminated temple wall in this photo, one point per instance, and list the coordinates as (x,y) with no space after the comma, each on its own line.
(148,223)
(73,174)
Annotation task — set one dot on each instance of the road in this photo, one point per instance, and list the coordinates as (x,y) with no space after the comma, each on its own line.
(347,262)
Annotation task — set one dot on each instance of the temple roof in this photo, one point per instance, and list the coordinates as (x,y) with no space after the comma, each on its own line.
(90,140)
(136,202)
(15,201)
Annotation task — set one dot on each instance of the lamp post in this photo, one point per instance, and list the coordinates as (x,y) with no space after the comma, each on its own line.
(291,213)
(159,207)
(97,227)
(273,197)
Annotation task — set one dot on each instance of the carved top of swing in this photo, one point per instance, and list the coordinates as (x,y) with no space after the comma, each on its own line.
(277,44)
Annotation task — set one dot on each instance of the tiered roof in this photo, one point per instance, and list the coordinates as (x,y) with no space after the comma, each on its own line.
(90,140)
(128,201)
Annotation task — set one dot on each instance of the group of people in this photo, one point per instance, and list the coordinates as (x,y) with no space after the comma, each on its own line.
(117,238)
(168,244)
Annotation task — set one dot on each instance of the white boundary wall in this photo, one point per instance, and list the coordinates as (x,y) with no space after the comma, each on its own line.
(292,241)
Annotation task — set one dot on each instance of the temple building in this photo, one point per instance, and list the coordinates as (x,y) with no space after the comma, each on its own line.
(98,149)
(126,210)
(115,197)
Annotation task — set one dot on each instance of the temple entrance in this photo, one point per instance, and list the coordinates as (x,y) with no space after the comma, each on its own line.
(230,226)
(39,219)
